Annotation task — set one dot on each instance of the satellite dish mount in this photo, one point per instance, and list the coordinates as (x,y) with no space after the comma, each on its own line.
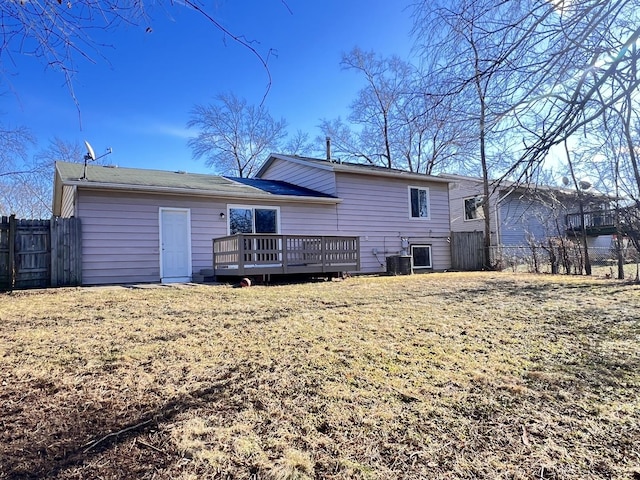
(90,156)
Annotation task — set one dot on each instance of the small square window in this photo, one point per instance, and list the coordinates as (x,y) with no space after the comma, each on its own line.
(473,208)
(266,221)
(421,256)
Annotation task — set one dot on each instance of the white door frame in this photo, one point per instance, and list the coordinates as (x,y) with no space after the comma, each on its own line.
(189,265)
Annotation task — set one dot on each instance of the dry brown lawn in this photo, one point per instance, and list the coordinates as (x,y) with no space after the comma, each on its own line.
(441,376)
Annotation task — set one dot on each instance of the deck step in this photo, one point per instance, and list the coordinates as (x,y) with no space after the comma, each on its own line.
(206,275)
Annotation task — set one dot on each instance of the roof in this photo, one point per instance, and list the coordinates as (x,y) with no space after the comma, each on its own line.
(278,187)
(161,181)
(510,186)
(348,167)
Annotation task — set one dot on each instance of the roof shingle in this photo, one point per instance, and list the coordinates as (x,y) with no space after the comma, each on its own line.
(160,179)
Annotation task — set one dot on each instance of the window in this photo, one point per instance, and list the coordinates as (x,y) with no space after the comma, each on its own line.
(421,256)
(253,220)
(419,202)
(473,208)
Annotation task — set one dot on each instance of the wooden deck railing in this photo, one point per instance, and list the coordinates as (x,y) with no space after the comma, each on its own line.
(262,254)
(592,220)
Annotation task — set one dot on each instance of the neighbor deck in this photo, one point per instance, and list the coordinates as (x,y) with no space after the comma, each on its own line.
(603,222)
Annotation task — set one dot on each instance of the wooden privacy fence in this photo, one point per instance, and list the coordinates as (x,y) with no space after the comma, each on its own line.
(39,253)
(467,251)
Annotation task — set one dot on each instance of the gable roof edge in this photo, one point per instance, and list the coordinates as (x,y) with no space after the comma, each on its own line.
(350,168)
(198,192)
(288,158)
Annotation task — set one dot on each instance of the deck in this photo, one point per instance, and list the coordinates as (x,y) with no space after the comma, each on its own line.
(603,222)
(600,222)
(267,254)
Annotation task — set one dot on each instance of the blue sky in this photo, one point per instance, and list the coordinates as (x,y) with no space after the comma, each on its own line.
(137,99)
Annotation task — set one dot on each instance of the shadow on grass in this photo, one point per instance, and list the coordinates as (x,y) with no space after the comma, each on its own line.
(592,344)
(28,454)
(544,291)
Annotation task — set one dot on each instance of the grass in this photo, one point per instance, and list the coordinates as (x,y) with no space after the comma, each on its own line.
(475,375)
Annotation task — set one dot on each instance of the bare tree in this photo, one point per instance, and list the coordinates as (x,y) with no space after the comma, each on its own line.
(431,137)
(587,64)
(609,146)
(300,144)
(14,145)
(377,105)
(398,119)
(27,192)
(581,204)
(531,73)
(472,43)
(233,135)
(60,150)
(61,34)
(620,131)
(345,142)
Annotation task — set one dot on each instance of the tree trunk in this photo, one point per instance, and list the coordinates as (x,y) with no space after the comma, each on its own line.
(587,261)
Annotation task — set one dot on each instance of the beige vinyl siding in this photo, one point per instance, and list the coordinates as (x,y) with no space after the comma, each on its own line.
(68,201)
(121,236)
(529,217)
(302,175)
(377,210)
(120,231)
(298,219)
(466,188)
(519,220)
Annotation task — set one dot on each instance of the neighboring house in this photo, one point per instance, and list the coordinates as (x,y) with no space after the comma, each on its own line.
(151,226)
(393,212)
(519,214)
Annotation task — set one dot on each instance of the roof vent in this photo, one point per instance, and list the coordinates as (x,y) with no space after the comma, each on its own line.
(182,172)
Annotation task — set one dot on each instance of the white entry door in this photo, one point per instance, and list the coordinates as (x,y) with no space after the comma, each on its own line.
(175,245)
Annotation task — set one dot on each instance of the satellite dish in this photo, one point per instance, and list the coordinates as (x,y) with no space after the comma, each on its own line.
(565,181)
(90,153)
(584,184)
(90,156)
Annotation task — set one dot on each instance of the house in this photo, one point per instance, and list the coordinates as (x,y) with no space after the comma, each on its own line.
(143,225)
(520,214)
(151,226)
(393,212)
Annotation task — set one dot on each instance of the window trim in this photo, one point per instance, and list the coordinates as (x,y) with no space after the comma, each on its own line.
(464,208)
(253,208)
(426,189)
(422,267)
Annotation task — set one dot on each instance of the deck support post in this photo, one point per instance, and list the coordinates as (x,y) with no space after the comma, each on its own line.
(285,255)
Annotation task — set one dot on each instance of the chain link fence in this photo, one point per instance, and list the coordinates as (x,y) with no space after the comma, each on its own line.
(562,256)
